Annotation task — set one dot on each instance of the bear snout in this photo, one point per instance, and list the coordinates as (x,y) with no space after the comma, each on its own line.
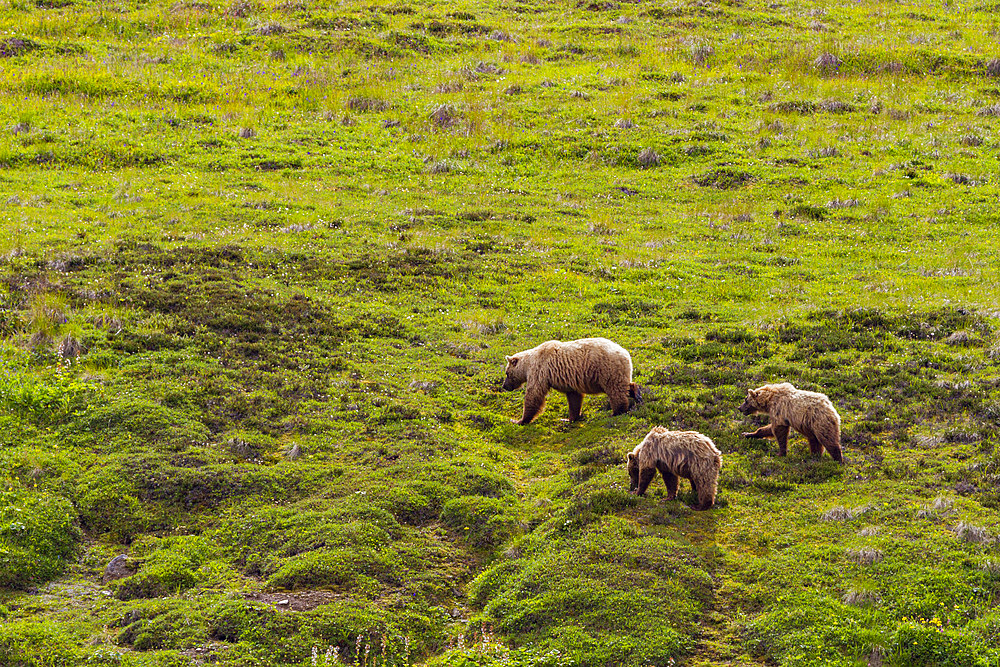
(746,408)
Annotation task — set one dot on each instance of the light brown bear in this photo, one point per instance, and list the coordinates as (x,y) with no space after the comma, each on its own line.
(576,367)
(808,412)
(675,454)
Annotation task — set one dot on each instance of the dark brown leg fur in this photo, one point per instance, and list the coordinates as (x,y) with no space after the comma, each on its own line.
(646,476)
(815,447)
(670,479)
(534,401)
(762,432)
(781,435)
(575,405)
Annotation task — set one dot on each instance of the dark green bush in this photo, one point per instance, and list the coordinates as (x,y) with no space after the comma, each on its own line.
(485,522)
(109,507)
(922,646)
(37,537)
(164,573)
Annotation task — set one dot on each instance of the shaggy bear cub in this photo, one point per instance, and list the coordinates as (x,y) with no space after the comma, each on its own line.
(808,412)
(676,454)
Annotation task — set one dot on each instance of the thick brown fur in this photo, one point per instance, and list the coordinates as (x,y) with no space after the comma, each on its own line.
(576,367)
(808,412)
(675,454)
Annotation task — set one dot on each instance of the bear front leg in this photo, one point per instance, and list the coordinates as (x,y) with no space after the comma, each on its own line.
(762,432)
(781,435)
(646,476)
(836,453)
(670,479)
(534,401)
(575,400)
(619,402)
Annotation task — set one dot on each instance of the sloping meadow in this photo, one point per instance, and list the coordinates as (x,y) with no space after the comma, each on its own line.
(263,262)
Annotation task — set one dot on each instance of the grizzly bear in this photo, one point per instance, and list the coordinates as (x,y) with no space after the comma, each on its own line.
(676,454)
(808,412)
(576,367)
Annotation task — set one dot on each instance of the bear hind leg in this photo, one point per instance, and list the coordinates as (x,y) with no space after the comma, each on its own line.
(670,479)
(815,446)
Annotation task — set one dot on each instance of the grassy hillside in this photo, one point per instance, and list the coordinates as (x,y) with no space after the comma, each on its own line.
(262,262)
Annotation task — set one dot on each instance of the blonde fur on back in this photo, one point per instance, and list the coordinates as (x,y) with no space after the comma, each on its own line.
(587,365)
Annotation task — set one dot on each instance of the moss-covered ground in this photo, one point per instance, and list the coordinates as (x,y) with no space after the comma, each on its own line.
(262,261)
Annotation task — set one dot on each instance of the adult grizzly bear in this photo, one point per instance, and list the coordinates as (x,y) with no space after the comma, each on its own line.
(576,367)
(808,412)
(675,454)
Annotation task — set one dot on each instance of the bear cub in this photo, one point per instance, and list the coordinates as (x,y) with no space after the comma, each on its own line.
(808,412)
(576,367)
(676,454)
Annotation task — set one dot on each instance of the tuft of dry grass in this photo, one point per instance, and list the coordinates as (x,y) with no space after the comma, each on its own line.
(444,116)
(239,9)
(862,598)
(364,104)
(961,338)
(440,167)
(447,87)
(701,54)
(69,347)
(865,556)
(624,124)
(648,158)
(268,29)
(967,532)
(247,133)
(839,513)
(827,64)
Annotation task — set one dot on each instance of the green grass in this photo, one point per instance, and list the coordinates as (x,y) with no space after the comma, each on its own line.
(263,262)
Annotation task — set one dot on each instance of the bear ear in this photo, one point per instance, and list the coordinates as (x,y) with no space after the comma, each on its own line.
(631,456)
(512,361)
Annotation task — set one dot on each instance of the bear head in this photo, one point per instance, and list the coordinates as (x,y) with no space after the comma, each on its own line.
(753,403)
(633,472)
(515,374)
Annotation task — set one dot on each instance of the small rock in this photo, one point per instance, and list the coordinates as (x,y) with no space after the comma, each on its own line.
(283,603)
(119,567)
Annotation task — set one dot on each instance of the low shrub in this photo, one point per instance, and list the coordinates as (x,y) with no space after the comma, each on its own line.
(37,537)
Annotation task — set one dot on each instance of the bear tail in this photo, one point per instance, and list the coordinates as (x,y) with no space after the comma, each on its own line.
(635,393)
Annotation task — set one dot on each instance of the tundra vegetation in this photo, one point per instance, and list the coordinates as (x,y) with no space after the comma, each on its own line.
(262,261)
